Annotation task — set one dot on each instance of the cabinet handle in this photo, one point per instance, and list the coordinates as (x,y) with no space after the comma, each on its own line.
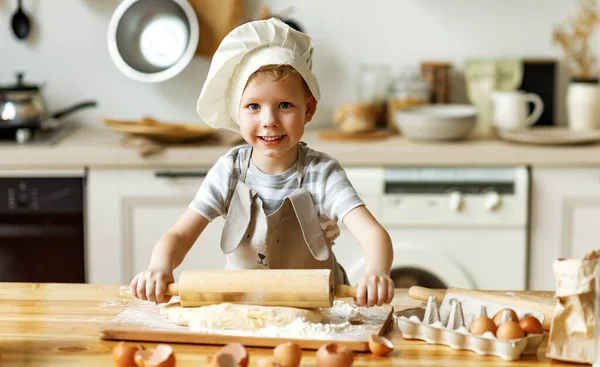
(180,174)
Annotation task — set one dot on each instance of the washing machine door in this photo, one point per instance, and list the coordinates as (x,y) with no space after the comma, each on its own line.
(417,267)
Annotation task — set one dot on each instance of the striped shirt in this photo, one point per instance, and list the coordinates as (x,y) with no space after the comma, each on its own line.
(325,179)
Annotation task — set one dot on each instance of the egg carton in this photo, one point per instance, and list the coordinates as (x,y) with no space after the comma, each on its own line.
(449,325)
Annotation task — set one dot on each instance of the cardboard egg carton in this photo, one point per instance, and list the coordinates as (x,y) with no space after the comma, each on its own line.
(450,323)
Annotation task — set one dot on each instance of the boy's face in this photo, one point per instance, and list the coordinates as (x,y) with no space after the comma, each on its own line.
(272,114)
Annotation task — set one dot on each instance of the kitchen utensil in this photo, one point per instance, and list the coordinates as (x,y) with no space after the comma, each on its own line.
(274,287)
(436,121)
(336,135)
(165,132)
(20,23)
(543,302)
(153,40)
(142,321)
(549,135)
(216,19)
(22,106)
(511,109)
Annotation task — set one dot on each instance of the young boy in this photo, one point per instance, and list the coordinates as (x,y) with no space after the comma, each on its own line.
(281,200)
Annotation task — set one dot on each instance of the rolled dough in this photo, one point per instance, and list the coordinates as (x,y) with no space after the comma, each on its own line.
(236,316)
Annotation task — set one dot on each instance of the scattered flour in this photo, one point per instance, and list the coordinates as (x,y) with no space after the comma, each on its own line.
(343,321)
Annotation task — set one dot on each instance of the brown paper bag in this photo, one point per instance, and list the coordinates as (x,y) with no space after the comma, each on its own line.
(572,329)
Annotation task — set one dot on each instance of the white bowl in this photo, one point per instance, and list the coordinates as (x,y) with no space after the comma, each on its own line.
(437,121)
(153,40)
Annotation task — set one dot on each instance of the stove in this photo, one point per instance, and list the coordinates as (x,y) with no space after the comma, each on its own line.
(26,136)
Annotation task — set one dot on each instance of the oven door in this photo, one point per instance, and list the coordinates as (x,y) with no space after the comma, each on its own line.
(41,229)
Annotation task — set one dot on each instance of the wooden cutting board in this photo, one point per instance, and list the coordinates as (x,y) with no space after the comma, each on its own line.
(542,301)
(141,321)
(216,19)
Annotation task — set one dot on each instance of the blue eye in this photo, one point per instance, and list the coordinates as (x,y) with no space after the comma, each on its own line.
(285,105)
(253,106)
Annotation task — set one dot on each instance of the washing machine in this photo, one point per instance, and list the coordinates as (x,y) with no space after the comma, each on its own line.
(450,226)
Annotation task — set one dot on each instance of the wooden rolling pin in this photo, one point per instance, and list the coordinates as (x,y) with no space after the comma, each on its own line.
(273,287)
(542,301)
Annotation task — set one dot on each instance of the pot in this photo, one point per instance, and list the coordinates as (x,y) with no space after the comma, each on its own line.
(22,106)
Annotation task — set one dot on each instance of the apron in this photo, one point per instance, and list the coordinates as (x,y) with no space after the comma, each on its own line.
(289,238)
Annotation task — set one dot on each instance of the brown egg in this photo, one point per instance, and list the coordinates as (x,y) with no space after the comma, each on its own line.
(482,324)
(498,315)
(236,352)
(123,354)
(379,345)
(531,325)
(334,355)
(510,330)
(287,354)
(162,356)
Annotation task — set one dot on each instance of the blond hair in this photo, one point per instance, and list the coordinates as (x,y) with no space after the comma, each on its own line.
(279,72)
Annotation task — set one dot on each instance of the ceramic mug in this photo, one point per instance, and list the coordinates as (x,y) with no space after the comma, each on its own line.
(511,109)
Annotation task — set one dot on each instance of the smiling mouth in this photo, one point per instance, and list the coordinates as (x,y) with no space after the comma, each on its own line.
(271,138)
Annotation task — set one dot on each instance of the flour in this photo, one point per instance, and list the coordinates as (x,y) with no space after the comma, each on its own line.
(343,321)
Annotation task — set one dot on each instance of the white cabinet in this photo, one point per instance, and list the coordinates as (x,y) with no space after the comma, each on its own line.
(565,219)
(127,212)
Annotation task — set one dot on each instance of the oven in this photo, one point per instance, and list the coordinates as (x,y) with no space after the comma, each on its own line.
(42,226)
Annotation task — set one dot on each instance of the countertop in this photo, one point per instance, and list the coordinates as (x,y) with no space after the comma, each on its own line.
(103,148)
(58,324)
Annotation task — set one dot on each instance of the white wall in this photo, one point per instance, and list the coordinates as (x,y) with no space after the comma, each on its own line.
(68,48)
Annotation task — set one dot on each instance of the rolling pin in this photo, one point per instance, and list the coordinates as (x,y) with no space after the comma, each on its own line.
(541,301)
(272,287)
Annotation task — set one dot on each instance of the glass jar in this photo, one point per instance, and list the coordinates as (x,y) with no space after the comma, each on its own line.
(408,90)
(373,88)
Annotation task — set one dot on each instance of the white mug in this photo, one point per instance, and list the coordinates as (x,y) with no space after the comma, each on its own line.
(511,109)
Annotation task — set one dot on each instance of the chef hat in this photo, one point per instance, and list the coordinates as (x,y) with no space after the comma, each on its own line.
(243,51)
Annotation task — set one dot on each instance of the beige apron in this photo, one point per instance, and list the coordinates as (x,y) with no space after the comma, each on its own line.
(289,238)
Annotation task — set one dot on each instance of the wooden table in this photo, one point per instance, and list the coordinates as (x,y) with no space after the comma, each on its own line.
(57,325)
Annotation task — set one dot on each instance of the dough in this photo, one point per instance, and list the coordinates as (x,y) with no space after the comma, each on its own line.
(236,316)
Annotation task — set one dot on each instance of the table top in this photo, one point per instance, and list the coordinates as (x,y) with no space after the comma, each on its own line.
(45,324)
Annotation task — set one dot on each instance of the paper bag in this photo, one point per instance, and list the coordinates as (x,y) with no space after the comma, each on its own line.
(572,329)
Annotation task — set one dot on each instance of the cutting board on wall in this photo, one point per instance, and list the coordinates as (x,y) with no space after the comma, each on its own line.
(216,19)
(142,321)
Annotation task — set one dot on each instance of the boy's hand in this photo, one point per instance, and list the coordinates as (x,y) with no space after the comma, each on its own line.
(374,288)
(151,285)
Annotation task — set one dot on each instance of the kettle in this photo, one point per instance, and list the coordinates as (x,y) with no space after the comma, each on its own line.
(22,106)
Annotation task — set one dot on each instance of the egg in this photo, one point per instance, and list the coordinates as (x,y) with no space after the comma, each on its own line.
(498,316)
(379,345)
(510,330)
(123,355)
(481,325)
(287,354)
(334,355)
(234,352)
(531,325)
(162,356)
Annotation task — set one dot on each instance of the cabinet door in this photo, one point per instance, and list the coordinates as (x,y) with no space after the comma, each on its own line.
(128,211)
(565,212)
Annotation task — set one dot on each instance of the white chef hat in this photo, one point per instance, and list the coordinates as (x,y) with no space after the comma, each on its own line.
(243,51)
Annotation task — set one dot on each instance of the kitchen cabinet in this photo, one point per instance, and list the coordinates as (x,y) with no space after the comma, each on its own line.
(127,212)
(565,208)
